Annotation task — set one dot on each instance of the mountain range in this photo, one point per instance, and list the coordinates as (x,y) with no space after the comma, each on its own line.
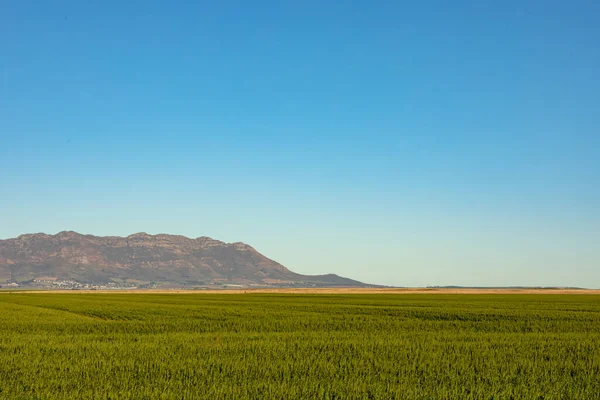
(143,260)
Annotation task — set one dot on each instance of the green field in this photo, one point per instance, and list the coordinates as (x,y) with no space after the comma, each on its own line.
(284,346)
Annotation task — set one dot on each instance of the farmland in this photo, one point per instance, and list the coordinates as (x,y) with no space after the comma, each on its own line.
(278,345)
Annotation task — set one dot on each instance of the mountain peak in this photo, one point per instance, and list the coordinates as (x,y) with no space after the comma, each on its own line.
(144,259)
(138,234)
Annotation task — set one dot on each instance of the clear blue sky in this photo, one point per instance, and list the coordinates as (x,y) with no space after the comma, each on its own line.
(431,143)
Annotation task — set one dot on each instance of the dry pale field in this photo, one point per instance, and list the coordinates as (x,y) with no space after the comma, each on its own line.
(340,291)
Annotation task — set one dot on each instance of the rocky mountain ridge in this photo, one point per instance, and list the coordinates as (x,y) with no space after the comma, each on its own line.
(144,260)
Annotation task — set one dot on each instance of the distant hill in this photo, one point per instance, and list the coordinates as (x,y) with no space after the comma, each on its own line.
(146,260)
(510,287)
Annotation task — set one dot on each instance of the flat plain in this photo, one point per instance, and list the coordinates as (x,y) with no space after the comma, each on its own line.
(439,345)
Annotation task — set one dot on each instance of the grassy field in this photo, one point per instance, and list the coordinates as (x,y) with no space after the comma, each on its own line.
(284,346)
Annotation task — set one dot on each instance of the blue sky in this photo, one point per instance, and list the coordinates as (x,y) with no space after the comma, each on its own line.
(433,143)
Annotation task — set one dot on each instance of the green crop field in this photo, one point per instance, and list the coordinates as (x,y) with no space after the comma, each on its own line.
(285,346)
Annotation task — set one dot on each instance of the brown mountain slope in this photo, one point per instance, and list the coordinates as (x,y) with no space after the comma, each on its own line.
(144,259)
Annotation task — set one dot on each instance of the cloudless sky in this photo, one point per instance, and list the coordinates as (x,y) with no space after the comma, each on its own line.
(400,143)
